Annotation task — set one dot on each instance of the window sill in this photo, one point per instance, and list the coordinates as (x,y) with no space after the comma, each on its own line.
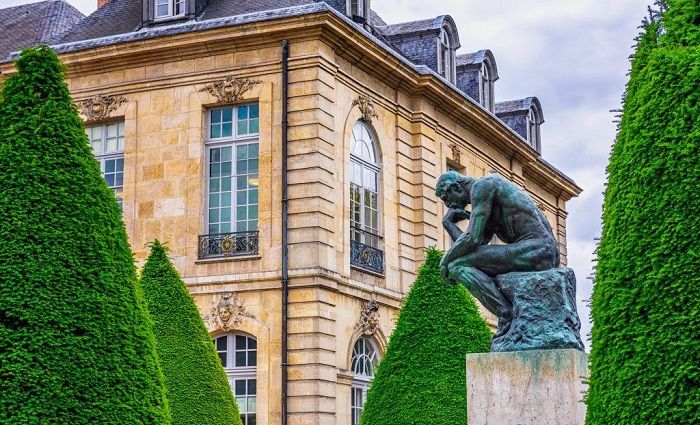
(227,259)
(364,270)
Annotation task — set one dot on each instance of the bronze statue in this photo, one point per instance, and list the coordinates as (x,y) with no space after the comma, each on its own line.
(501,209)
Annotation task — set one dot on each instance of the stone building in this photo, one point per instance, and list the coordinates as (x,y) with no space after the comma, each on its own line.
(190,106)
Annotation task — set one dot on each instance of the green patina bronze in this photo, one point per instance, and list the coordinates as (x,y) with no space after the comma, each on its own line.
(518,281)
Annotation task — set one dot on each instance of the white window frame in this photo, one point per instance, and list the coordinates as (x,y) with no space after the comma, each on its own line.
(245,374)
(533,129)
(486,87)
(234,141)
(103,155)
(369,235)
(357,8)
(171,8)
(445,60)
(361,382)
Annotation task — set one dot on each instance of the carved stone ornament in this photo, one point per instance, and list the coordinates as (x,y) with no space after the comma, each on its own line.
(456,153)
(226,313)
(369,318)
(99,107)
(230,89)
(366,107)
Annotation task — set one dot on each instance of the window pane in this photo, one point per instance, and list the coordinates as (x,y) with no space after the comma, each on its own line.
(215,131)
(240,387)
(226,153)
(252,361)
(242,112)
(216,115)
(226,184)
(221,343)
(251,387)
(227,114)
(242,128)
(254,126)
(240,360)
(226,130)
(254,111)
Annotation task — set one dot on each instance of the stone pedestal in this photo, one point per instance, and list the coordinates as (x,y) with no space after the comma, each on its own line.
(540,387)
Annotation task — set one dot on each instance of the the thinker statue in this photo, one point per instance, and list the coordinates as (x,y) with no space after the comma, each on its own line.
(500,208)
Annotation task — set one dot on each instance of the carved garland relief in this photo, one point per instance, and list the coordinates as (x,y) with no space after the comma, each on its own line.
(230,89)
(366,106)
(100,107)
(369,318)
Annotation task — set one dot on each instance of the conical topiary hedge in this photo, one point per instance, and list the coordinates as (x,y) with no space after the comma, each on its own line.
(422,377)
(197,389)
(645,354)
(76,346)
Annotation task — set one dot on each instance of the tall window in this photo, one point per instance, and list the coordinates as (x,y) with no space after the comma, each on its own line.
(445,55)
(364,361)
(232,169)
(107,142)
(486,87)
(238,354)
(364,186)
(533,129)
(357,8)
(169,8)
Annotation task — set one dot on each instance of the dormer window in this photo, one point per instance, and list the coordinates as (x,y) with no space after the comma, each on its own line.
(533,129)
(445,56)
(169,8)
(486,87)
(357,8)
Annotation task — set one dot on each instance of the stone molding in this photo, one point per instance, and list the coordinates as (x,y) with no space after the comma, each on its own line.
(230,89)
(226,313)
(368,324)
(456,153)
(100,107)
(366,106)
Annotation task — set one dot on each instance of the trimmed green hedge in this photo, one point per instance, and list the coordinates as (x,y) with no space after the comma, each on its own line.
(645,356)
(197,388)
(76,346)
(422,377)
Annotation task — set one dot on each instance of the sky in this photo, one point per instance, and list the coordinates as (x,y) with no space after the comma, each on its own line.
(573,55)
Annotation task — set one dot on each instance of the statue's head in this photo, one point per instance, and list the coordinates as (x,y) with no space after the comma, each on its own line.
(453,189)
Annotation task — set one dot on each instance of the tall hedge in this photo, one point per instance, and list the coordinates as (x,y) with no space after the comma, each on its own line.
(645,355)
(422,377)
(76,346)
(197,388)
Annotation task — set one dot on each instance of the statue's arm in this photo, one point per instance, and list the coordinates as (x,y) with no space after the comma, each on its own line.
(449,222)
(483,194)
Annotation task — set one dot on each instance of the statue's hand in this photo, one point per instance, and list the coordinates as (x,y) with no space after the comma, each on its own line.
(455,215)
(464,244)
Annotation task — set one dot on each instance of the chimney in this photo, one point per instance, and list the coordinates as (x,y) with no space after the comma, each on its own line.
(101,3)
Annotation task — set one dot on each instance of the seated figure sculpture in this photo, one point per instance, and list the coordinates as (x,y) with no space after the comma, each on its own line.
(500,208)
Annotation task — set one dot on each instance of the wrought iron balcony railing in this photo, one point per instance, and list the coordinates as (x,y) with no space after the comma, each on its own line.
(225,245)
(366,256)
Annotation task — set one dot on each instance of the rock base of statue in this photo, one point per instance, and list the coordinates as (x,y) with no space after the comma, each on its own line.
(544,313)
(543,387)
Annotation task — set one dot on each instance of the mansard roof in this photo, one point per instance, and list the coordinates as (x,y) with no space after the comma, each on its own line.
(520,107)
(31,24)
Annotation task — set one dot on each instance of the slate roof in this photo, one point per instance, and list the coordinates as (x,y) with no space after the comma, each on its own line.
(520,107)
(30,24)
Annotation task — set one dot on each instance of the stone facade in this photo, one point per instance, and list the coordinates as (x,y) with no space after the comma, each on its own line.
(420,125)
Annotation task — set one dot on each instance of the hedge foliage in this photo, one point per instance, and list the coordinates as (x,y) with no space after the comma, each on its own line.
(422,377)
(197,388)
(645,356)
(76,346)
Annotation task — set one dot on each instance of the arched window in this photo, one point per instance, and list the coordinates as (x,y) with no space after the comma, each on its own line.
(364,361)
(445,55)
(533,129)
(239,356)
(486,87)
(364,186)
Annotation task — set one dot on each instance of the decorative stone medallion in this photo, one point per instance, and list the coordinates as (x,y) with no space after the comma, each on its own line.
(99,107)
(369,318)
(226,313)
(230,89)
(366,106)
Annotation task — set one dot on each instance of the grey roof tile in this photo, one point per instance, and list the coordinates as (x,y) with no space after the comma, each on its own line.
(30,24)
